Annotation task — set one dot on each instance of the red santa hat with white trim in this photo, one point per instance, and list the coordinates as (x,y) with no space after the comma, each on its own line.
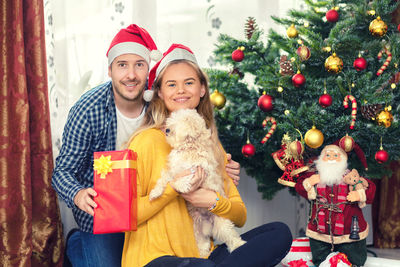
(174,52)
(133,40)
(348,144)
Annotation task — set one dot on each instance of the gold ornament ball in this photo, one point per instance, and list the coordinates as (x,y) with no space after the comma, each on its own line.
(217,99)
(378,27)
(314,138)
(296,149)
(393,85)
(385,118)
(303,52)
(280,89)
(292,31)
(334,64)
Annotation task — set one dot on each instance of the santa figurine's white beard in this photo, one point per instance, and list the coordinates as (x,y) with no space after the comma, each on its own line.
(330,173)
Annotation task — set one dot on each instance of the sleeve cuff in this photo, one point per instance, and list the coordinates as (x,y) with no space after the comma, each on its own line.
(169,190)
(363,198)
(220,205)
(311,194)
(307,185)
(72,193)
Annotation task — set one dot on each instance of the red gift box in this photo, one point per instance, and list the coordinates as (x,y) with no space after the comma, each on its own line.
(115,184)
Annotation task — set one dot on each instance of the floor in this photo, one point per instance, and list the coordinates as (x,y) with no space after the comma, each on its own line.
(387,253)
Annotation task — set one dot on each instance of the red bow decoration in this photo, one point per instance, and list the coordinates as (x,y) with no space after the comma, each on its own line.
(337,258)
(298,263)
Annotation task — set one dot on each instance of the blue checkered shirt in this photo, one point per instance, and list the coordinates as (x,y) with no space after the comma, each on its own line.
(91,126)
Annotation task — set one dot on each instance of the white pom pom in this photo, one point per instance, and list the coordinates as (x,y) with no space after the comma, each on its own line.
(148,95)
(155,55)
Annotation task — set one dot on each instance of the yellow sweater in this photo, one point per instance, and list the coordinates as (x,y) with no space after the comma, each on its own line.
(164,224)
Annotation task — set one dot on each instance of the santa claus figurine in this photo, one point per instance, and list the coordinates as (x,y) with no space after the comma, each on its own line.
(337,222)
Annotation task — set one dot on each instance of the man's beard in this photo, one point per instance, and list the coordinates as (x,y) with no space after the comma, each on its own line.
(330,173)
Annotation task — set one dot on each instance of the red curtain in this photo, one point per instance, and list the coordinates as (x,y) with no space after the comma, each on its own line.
(386,210)
(30,226)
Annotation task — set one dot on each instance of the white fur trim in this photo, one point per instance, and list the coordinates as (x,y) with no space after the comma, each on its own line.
(148,95)
(155,55)
(177,53)
(363,197)
(128,48)
(311,194)
(307,185)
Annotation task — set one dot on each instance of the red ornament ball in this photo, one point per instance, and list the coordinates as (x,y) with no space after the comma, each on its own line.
(265,103)
(398,27)
(360,64)
(325,100)
(248,150)
(298,80)
(237,55)
(332,15)
(381,156)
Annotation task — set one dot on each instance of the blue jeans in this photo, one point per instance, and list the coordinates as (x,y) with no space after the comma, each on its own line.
(266,245)
(87,250)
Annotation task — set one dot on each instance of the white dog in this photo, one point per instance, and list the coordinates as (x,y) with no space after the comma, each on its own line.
(192,146)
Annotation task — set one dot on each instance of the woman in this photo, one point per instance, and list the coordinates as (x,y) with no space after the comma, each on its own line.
(165,235)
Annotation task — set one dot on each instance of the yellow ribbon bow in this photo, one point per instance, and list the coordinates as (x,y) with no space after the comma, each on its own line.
(102,166)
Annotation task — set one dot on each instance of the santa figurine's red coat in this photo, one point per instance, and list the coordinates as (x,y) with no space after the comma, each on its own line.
(320,230)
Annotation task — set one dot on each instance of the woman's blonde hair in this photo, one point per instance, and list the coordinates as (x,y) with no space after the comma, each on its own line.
(157,113)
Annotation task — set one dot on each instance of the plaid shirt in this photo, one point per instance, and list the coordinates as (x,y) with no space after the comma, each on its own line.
(91,126)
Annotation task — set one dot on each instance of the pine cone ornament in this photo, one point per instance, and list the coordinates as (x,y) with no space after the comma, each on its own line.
(250,27)
(286,66)
(396,78)
(237,72)
(369,111)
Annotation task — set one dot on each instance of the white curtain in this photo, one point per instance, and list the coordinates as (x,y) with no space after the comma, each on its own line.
(78,34)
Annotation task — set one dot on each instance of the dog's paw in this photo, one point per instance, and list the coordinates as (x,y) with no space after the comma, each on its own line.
(204,249)
(184,184)
(155,193)
(235,244)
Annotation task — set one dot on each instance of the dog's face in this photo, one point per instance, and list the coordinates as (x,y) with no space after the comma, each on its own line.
(186,126)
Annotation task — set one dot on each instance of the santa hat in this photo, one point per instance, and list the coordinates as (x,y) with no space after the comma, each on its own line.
(133,40)
(174,52)
(348,144)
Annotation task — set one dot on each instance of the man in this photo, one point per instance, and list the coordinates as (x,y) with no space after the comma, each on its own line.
(333,208)
(102,120)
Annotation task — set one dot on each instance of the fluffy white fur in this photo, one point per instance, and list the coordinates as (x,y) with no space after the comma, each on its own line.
(191,146)
(330,172)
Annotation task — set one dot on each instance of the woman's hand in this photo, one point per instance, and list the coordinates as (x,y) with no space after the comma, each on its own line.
(201,198)
(188,180)
(233,169)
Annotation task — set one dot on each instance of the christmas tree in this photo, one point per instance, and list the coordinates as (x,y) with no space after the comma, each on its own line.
(332,78)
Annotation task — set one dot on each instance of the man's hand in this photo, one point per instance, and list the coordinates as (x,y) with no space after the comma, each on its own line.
(233,169)
(313,179)
(353,196)
(84,200)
